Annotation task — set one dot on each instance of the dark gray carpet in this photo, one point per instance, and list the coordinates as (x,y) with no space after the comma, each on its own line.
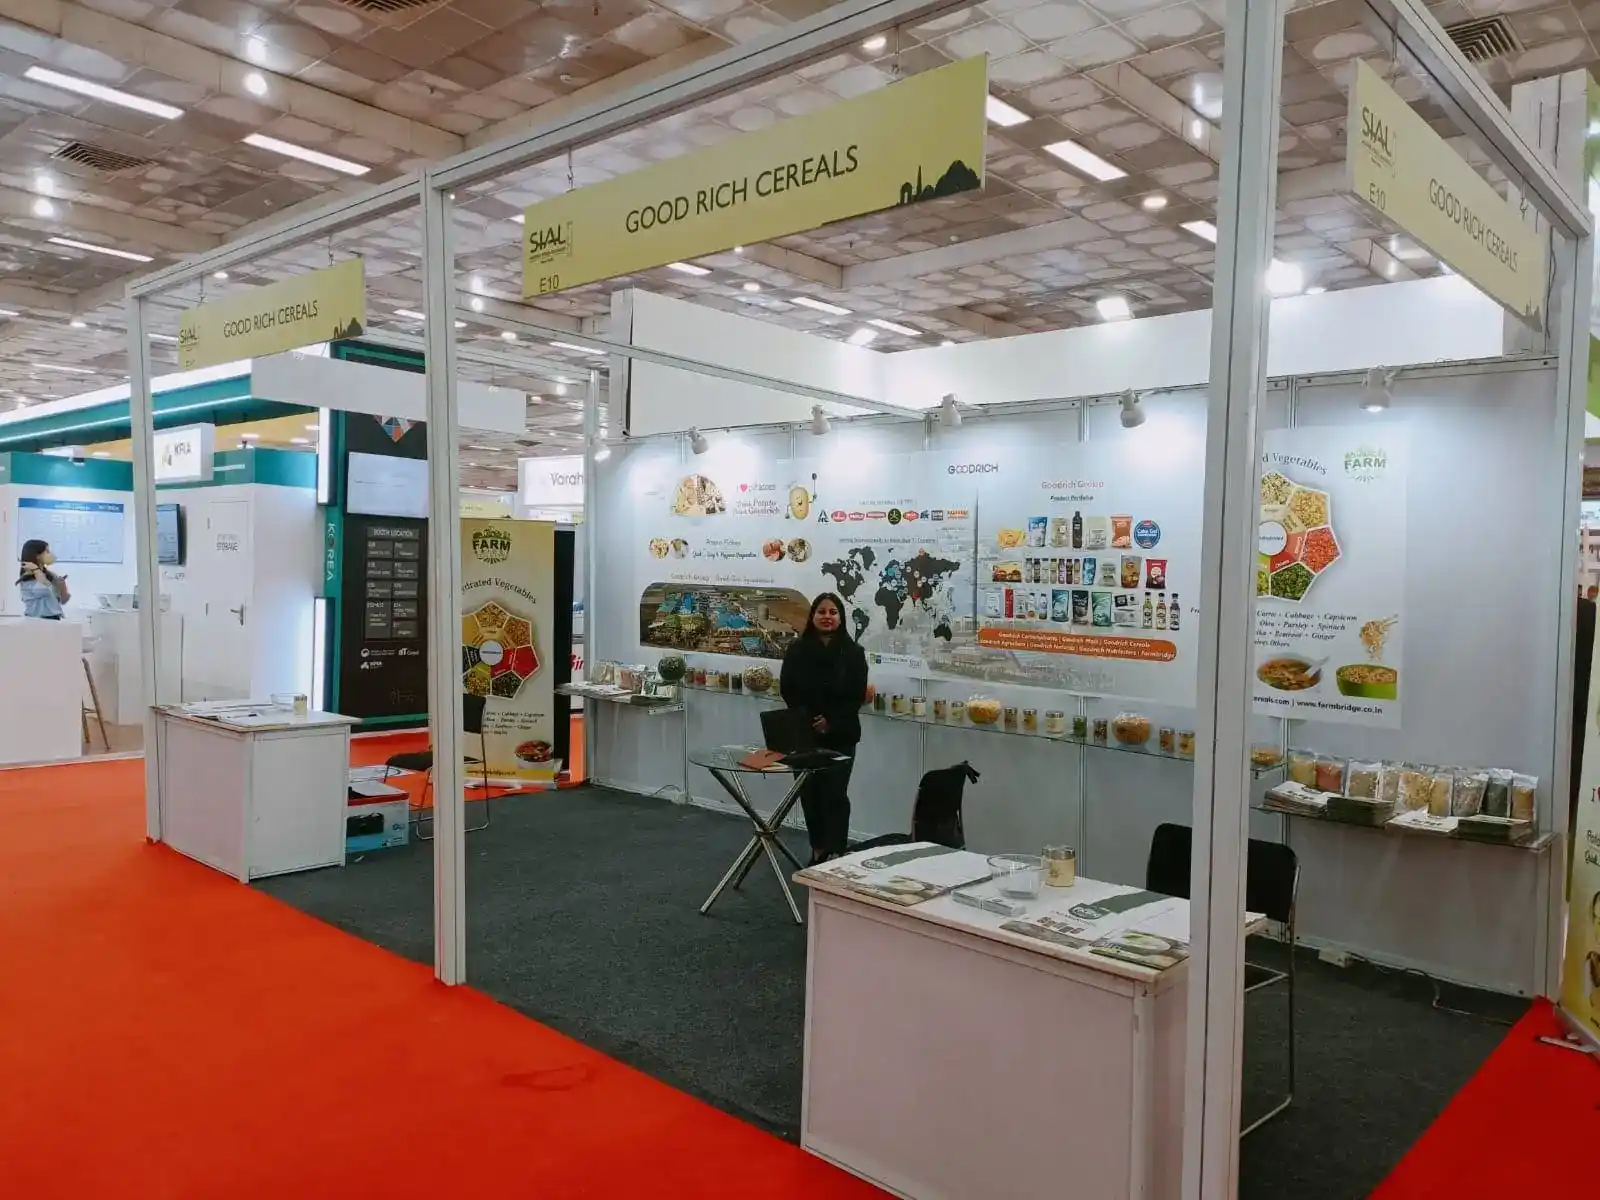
(583,912)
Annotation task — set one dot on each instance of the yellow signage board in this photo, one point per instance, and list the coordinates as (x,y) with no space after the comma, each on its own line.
(319,306)
(508,645)
(1405,170)
(914,140)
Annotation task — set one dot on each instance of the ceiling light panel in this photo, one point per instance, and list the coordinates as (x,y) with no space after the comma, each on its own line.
(687,268)
(98,91)
(1087,161)
(74,244)
(288,149)
(1202,229)
(1003,114)
(819,305)
(893,328)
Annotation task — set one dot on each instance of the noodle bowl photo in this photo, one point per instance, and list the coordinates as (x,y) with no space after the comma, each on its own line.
(1289,674)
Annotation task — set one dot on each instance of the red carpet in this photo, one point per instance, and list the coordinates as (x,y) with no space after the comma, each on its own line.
(166,1033)
(1525,1126)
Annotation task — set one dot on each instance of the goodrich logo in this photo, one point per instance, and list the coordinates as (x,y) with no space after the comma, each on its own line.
(973,468)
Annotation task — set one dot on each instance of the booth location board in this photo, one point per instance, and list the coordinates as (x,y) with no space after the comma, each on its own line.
(949,1053)
(254,789)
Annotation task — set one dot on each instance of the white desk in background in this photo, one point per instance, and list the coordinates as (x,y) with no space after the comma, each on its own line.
(41,690)
(947,1058)
(253,789)
(114,660)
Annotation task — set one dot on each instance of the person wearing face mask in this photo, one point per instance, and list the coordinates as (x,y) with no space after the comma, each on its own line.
(43,591)
(825,677)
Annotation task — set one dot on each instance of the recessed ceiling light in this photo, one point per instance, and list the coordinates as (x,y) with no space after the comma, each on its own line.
(507,335)
(752,287)
(1197,129)
(43,207)
(161,337)
(6,312)
(219,274)
(875,43)
(893,328)
(862,336)
(112,251)
(461,324)
(946,342)
(1285,278)
(687,268)
(1202,229)
(1087,161)
(299,441)
(255,49)
(561,389)
(313,428)
(738,249)
(1003,114)
(255,83)
(821,306)
(96,91)
(476,303)
(1154,202)
(48,366)
(409,314)
(579,349)
(44,183)
(1113,308)
(75,323)
(1391,269)
(262,142)
(518,218)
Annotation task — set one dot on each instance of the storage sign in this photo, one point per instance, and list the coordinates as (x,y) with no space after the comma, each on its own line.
(319,306)
(914,140)
(1402,168)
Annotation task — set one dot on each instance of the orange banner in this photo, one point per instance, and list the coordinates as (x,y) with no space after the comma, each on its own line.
(1087,645)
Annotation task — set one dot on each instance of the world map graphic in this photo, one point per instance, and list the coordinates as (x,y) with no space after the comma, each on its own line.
(888,591)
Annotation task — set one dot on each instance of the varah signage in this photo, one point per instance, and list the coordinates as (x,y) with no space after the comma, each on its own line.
(316,307)
(1402,168)
(914,140)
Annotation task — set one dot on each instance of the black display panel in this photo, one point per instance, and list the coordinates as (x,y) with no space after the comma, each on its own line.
(383,660)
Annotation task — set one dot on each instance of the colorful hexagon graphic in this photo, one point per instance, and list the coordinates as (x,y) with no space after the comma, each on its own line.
(498,652)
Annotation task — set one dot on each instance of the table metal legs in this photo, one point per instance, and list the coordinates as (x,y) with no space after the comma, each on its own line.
(766,838)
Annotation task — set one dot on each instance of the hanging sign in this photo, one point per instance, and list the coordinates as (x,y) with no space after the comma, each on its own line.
(319,306)
(1580,976)
(914,140)
(184,455)
(507,627)
(1402,168)
(553,482)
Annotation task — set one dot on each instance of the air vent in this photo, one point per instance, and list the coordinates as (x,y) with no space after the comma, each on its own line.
(1483,40)
(98,158)
(388,6)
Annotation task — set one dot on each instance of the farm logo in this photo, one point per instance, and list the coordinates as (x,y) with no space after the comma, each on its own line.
(1365,463)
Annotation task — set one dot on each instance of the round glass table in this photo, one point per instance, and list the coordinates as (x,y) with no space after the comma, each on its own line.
(729,765)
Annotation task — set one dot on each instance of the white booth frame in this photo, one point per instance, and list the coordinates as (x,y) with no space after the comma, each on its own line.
(1245,219)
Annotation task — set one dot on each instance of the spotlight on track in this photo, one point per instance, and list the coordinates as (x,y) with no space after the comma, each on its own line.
(1132,411)
(949,414)
(697,442)
(819,420)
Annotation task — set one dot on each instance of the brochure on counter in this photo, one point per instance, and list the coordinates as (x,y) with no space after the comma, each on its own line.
(904,874)
(1127,923)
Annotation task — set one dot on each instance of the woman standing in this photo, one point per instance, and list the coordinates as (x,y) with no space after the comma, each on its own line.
(43,591)
(825,677)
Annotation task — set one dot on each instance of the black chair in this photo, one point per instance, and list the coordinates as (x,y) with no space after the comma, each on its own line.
(422,760)
(1272,887)
(936,814)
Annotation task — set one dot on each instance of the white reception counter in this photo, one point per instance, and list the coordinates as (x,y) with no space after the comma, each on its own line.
(254,790)
(41,702)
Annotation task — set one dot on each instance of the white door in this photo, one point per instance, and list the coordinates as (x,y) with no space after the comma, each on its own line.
(217,642)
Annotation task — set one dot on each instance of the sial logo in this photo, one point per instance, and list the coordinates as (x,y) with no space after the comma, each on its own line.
(491,544)
(1365,463)
(973,468)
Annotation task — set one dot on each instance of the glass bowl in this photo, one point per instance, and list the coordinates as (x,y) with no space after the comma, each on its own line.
(1018,876)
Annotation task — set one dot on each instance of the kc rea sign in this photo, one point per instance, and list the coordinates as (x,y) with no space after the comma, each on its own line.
(550,482)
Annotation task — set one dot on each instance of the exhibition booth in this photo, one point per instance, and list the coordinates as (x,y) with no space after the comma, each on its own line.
(1244,606)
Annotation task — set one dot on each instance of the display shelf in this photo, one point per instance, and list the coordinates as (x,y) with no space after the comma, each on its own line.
(1149,750)
(624,698)
(1536,845)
